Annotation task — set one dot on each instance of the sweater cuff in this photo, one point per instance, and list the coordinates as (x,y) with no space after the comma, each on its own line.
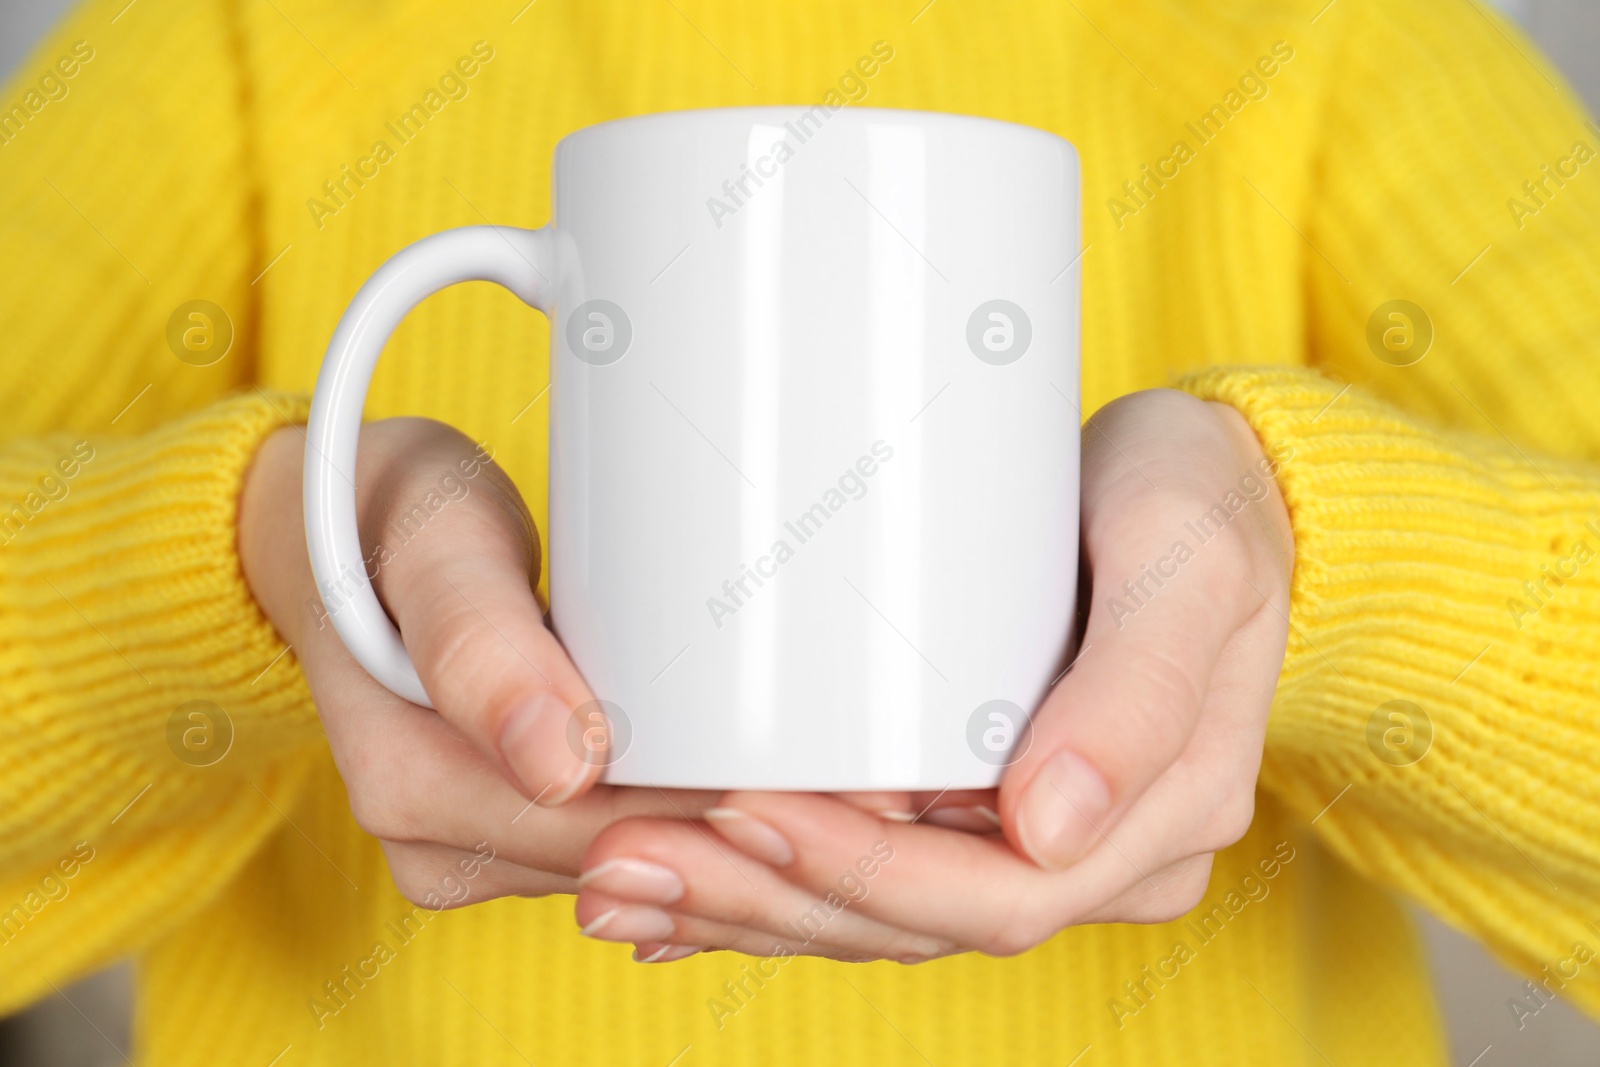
(1435,715)
(122,601)
(1413,545)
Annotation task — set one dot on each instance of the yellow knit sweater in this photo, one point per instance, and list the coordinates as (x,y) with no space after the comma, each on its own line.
(1259,179)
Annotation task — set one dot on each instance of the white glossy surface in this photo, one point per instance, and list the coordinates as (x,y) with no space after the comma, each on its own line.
(825,317)
(475,253)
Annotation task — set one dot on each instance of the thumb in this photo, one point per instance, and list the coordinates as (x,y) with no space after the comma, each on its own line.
(1128,707)
(462,596)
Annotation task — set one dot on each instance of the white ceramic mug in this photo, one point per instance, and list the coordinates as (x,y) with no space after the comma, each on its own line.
(813,444)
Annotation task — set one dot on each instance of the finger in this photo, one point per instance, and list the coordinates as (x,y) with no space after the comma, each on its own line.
(683,868)
(614,919)
(658,952)
(1163,606)
(1109,729)
(952,886)
(886,805)
(460,590)
(610,919)
(708,935)
(1168,894)
(412,777)
(440,878)
(970,890)
(957,888)
(974,810)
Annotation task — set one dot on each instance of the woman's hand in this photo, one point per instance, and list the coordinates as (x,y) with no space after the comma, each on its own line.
(1142,761)
(492,771)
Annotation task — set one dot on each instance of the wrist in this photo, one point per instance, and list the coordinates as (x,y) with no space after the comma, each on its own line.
(271,532)
(1269,535)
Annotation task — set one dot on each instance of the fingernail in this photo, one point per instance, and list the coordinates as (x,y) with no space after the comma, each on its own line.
(528,739)
(1063,810)
(976,819)
(752,836)
(666,954)
(898,816)
(631,879)
(631,923)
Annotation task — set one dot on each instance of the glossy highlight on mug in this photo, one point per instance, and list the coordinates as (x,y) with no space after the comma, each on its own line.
(818,408)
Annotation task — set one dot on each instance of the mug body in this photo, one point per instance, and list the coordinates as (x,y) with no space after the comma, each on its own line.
(814,442)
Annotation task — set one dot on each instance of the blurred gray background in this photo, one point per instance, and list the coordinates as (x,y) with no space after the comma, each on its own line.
(87,1025)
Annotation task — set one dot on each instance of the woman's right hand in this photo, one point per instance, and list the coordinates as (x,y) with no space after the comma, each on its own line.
(455,556)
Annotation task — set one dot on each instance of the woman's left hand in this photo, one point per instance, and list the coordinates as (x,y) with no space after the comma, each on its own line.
(1142,762)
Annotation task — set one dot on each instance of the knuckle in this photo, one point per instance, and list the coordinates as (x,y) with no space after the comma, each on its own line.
(1182,889)
(380,804)
(452,647)
(457,657)
(894,944)
(1169,694)
(1182,896)
(1021,931)
(922,950)
(411,890)
(475,677)
(377,817)
(413,880)
(1005,942)
(1230,821)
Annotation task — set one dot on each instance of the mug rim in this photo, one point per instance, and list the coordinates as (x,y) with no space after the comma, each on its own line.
(755,112)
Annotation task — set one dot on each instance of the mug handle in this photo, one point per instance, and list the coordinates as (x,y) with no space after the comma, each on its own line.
(522,261)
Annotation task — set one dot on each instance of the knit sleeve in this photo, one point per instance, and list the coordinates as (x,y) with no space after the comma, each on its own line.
(150,718)
(1438,714)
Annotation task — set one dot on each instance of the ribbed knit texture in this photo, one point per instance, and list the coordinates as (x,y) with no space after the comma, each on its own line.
(1377,166)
